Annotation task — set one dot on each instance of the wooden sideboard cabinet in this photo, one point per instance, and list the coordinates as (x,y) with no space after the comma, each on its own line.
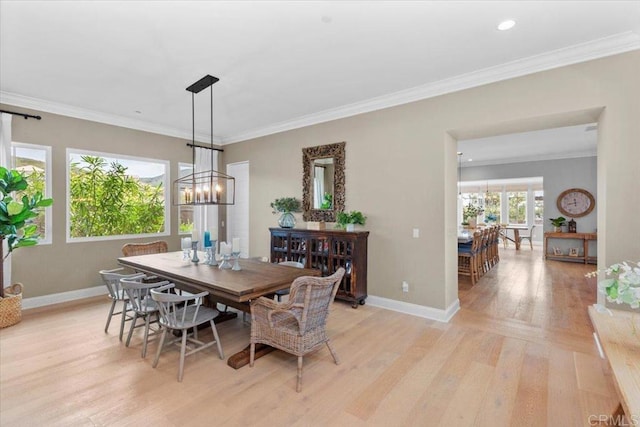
(327,250)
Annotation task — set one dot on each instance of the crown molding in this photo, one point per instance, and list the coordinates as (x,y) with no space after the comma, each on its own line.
(534,158)
(616,44)
(96,116)
(619,43)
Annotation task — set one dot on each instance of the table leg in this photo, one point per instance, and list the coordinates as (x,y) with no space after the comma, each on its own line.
(516,238)
(241,358)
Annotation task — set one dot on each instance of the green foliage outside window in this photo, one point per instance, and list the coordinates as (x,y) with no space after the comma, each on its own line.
(105,201)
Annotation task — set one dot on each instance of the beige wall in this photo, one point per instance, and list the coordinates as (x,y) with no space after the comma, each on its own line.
(400,172)
(61,266)
(401,168)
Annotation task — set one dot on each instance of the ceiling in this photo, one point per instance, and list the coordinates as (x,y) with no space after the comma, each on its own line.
(282,65)
(556,143)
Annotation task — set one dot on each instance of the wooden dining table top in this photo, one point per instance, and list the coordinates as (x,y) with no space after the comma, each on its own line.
(256,278)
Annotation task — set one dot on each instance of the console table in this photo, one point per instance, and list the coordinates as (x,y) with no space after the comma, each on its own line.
(616,334)
(584,237)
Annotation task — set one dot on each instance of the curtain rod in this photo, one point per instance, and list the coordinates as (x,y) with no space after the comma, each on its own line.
(26,116)
(206,148)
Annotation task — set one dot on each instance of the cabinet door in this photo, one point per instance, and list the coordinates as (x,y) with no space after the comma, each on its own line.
(298,248)
(319,254)
(279,247)
(342,256)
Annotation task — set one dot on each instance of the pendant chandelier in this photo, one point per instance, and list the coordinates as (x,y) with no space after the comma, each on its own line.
(208,187)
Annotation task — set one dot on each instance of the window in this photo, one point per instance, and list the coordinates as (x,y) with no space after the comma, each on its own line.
(185,212)
(517,207)
(34,162)
(112,196)
(492,207)
(538,207)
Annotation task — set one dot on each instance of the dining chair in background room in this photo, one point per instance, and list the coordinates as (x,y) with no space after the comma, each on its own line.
(469,258)
(111,279)
(528,236)
(297,326)
(181,313)
(282,292)
(143,306)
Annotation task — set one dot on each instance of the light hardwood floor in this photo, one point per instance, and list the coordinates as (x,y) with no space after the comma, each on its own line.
(519,353)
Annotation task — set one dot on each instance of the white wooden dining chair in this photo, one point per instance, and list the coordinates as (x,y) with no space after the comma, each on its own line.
(143,306)
(111,279)
(181,313)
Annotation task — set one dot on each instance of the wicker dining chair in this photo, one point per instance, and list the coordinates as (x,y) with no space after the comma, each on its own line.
(282,292)
(297,326)
(131,249)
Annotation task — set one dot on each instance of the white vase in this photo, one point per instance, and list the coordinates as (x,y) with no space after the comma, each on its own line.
(351,227)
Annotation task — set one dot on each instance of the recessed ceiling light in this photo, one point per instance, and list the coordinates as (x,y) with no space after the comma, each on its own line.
(470,160)
(506,25)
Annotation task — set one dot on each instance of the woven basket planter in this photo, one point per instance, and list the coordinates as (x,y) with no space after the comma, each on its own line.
(11,306)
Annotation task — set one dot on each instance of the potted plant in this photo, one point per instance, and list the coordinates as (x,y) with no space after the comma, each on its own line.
(558,223)
(16,227)
(286,205)
(348,220)
(470,214)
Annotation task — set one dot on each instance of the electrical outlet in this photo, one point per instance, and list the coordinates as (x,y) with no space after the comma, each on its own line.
(416,233)
(405,286)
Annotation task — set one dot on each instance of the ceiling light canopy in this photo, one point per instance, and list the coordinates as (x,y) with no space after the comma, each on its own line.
(506,25)
(205,187)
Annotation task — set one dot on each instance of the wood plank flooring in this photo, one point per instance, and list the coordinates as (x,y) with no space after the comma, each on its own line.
(519,353)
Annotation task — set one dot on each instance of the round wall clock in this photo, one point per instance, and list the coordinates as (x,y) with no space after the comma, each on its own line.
(576,202)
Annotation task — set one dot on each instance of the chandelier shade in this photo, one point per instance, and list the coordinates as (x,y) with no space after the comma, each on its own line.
(203,187)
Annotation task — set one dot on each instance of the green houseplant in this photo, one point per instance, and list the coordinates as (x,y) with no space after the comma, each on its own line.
(286,205)
(558,223)
(349,219)
(16,227)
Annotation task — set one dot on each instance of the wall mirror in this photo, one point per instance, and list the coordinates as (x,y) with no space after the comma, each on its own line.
(323,182)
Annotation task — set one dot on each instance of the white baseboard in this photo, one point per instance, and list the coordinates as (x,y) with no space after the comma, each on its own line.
(389,304)
(44,300)
(415,309)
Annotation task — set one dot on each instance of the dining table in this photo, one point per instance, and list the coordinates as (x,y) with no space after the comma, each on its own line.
(516,233)
(234,288)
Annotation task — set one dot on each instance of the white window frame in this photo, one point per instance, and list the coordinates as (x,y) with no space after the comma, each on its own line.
(180,166)
(48,185)
(167,196)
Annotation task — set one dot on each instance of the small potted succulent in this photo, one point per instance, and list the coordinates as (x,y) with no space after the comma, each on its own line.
(285,206)
(558,223)
(348,220)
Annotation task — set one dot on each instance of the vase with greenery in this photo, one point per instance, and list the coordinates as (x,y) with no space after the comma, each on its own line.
(18,210)
(470,214)
(621,283)
(286,206)
(558,223)
(348,220)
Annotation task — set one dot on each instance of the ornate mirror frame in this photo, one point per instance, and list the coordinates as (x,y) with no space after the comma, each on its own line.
(309,154)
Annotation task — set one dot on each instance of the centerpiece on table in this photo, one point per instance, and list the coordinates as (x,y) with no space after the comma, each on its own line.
(470,214)
(286,206)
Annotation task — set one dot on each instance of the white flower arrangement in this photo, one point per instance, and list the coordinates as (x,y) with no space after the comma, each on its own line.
(622,284)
